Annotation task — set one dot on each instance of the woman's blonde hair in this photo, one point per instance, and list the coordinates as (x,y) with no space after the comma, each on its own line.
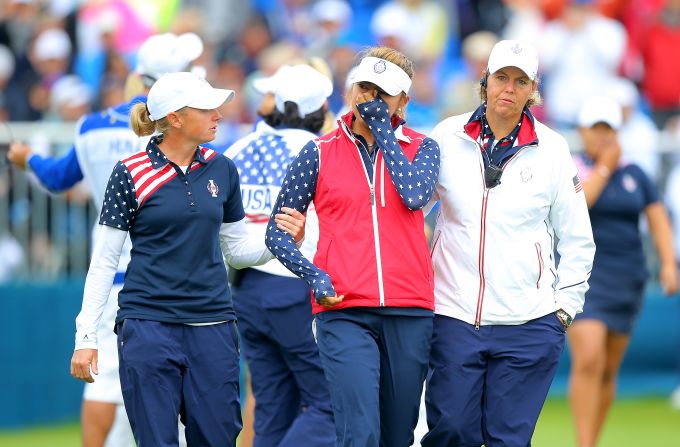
(534,100)
(141,123)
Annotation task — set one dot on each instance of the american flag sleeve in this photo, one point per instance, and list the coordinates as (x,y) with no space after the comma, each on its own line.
(415,181)
(297,191)
(120,200)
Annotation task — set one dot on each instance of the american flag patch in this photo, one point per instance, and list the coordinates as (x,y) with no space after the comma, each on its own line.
(578,187)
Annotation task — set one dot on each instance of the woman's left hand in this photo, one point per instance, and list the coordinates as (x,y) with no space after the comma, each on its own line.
(668,277)
(292,222)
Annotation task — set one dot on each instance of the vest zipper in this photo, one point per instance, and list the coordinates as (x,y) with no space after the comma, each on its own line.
(382,181)
(374,214)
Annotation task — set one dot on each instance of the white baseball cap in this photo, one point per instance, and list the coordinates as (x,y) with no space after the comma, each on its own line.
(514,53)
(386,75)
(52,43)
(69,90)
(600,109)
(267,84)
(173,91)
(331,11)
(302,85)
(168,53)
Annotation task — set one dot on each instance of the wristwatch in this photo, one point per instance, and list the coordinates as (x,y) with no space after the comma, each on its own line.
(564,317)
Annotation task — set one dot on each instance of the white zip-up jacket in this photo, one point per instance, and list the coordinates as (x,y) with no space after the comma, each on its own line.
(493,248)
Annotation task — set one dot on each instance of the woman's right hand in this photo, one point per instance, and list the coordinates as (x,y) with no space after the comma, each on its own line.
(610,156)
(82,362)
(330,301)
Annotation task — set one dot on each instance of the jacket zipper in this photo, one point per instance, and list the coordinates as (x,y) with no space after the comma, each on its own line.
(482,235)
(540,263)
(480,259)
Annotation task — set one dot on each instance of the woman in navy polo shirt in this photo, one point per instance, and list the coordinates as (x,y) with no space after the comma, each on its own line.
(180,203)
(616,193)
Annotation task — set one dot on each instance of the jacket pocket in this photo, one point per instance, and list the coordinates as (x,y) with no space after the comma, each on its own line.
(539,260)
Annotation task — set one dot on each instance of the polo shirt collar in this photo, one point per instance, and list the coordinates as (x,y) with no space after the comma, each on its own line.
(158,158)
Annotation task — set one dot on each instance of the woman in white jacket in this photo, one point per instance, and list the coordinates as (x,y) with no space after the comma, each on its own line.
(509,195)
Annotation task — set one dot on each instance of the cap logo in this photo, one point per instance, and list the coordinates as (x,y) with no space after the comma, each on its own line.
(380,67)
(213,189)
(516,48)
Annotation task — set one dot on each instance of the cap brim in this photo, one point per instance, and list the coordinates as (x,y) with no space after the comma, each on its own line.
(381,81)
(264,85)
(212,99)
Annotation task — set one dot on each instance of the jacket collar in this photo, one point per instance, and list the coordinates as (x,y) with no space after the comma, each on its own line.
(526,133)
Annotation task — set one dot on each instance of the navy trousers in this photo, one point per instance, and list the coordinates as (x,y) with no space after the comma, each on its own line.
(488,386)
(170,369)
(292,399)
(376,366)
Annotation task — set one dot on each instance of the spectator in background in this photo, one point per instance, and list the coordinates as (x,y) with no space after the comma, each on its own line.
(617,194)
(6,71)
(330,18)
(525,21)
(70,99)
(461,88)
(420,26)
(638,136)
(581,48)
(371,277)
(661,72)
(51,57)
(292,401)
(102,139)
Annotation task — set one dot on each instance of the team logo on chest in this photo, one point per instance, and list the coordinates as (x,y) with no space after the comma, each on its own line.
(213,189)
(629,183)
(526,174)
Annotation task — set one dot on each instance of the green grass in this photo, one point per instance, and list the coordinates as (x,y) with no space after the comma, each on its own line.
(58,436)
(648,422)
(631,423)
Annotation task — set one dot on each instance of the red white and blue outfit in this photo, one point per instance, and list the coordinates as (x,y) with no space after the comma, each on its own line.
(374,345)
(497,340)
(177,337)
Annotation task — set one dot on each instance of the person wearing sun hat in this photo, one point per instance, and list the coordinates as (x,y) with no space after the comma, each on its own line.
(509,194)
(292,401)
(371,278)
(617,194)
(179,201)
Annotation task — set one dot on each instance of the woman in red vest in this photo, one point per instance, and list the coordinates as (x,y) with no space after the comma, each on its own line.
(371,277)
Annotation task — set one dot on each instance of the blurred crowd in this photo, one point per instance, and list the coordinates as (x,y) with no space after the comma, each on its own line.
(62,58)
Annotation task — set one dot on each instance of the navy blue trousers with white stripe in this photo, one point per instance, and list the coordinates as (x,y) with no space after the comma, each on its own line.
(169,369)
(488,386)
(292,400)
(376,366)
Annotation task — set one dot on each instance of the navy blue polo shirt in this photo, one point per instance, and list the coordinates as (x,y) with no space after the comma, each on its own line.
(176,273)
(615,219)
